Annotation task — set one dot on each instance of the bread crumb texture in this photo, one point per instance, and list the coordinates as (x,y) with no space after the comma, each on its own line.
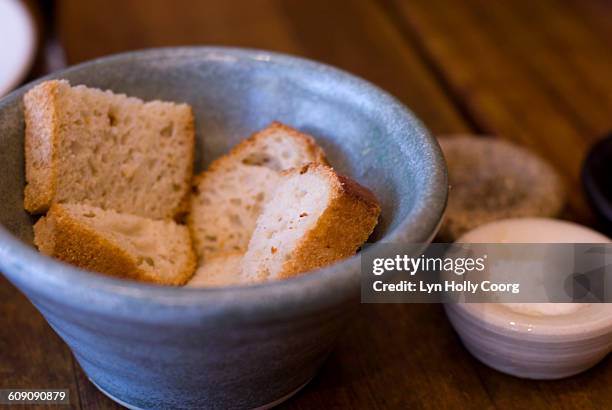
(85,145)
(229,196)
(222,270)
(315,217)
(121,245)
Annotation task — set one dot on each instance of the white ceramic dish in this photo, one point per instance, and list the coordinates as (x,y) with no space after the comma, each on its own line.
(532,346)
(17,44)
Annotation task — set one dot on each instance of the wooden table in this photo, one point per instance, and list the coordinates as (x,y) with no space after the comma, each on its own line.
(536,72)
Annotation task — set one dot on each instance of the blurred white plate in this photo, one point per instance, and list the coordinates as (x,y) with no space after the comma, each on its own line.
(17,44)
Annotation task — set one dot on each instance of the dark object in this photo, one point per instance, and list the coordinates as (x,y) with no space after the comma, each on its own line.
(596,178)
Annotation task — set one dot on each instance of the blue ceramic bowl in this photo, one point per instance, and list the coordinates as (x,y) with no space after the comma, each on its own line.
(162,347)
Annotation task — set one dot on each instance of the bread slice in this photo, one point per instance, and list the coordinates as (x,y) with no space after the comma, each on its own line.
(223,270)
(316,217)
(84,145)
(229,196)
(122,245)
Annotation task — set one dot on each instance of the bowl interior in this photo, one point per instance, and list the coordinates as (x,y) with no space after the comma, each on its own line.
(366,133)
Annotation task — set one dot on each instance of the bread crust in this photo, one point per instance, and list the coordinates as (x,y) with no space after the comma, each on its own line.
(226,163)
(347,222)
(47,128)
(308,143)
(60,235)
(182,209)
(41,143)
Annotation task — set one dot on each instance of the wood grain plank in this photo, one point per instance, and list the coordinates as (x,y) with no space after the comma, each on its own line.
(96,28)
(396,356)
(91,398)
(353,35)
(515,66)
(508,91)
(596,13)
(357,36)
(560,53)
(32,356)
